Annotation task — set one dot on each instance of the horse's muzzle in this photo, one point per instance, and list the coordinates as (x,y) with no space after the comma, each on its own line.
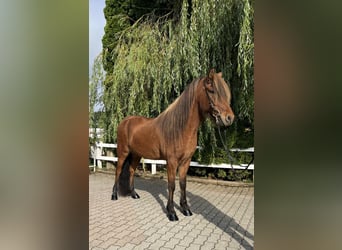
(229,120)
(224,121)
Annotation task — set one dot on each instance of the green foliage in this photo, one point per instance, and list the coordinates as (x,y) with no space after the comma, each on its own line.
(149,63)
(95,98)
(221,174)
(239,175)
(245,61)
(201,172)
(121,14)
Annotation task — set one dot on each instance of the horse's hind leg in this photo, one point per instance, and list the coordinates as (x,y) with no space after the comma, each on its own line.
(123,159)
(135,162)
(122,153)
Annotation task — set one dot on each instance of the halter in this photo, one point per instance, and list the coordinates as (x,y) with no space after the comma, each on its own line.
(215,112)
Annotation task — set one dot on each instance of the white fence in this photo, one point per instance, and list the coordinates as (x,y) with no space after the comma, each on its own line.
(97,154)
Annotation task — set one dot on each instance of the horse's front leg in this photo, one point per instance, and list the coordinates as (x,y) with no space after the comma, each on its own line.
(171,176)
(183,169)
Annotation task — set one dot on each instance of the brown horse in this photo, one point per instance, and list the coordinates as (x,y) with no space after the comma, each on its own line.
(172,136)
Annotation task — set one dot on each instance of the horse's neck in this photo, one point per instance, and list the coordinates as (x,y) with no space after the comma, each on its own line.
(194,120)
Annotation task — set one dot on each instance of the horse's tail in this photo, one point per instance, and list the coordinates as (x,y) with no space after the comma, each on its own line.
(124,186)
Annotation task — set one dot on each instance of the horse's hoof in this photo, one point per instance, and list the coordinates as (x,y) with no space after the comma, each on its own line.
(187,212)
(172,217)
(135,196)
(114,197)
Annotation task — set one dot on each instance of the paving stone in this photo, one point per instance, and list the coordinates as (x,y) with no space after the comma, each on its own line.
(153,238)
(194,246)
(208,246)
(200,240)
(177,247)
(214,238)
(95,243)
(114,248)
(157,244)
(221,245)
(234,244)
(194,233)
(107,243)
(172,243)
(180,235)
(206,232)
(176,229)
(167,236)
(142,246)
(186,241)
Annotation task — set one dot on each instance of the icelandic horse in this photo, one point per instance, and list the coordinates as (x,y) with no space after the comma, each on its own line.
(171,136)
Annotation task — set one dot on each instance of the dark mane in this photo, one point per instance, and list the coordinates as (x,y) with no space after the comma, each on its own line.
(172,121)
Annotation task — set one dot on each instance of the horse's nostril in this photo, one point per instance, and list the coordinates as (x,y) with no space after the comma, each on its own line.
(229,119)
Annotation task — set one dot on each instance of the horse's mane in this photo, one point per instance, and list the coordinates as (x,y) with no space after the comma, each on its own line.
(172,121)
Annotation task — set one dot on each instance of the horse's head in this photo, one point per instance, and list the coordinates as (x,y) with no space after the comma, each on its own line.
(219,97)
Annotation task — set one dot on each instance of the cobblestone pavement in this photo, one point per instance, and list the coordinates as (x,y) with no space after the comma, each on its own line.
(223,217)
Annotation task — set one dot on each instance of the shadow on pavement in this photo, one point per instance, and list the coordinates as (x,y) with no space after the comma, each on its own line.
(157,187)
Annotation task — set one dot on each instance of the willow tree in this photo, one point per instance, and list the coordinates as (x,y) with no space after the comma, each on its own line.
(95,97)
(156,57)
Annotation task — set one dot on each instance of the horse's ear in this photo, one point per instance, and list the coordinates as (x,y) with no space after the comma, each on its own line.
(219,74)
(209,84)
(211,73)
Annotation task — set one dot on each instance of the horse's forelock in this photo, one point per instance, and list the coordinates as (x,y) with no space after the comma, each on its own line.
(221,87)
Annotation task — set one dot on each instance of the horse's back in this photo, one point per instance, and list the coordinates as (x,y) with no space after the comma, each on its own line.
(129,122)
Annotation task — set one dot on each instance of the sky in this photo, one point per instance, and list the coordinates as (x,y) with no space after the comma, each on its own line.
(96,29)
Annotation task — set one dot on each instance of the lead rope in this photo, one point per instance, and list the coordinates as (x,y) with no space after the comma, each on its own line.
(231,158)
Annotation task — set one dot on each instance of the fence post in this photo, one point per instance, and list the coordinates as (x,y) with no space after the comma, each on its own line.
(153,168)
(143,164)
(110,164)
(95,155)
(99,153)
